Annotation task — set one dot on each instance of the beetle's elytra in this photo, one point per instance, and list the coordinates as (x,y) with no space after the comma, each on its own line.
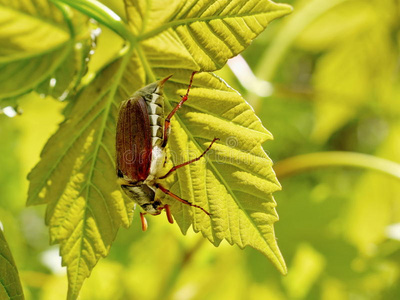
(142,134)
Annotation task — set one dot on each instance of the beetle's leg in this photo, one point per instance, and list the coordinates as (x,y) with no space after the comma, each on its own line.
(169,193)
(167,122)
(144,221)
(190,161)
(168,213)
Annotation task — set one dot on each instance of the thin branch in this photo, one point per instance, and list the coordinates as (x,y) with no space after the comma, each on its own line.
(301,163)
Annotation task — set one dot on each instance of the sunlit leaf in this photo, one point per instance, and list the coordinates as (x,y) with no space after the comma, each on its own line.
(10,285)
(198,35)
(76,175)
(76,178)
(236,181)
(37,48)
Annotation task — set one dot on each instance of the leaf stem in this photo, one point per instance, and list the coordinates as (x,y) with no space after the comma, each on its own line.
(149,72)
(305,162)
(103,15)
(166,290)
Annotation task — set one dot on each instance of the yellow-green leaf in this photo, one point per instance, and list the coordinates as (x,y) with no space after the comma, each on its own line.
(198,35)
(10,285)
(237,190)
(76,174)
(76,178)
(37,48)
(235,181)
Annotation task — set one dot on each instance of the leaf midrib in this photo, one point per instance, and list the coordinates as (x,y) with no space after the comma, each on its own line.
(112,91)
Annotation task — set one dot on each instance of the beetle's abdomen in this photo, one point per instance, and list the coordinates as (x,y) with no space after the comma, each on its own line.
(155,109)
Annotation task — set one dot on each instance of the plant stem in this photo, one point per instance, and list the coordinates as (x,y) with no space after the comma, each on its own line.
(170,282)
(301,163)
(103,15)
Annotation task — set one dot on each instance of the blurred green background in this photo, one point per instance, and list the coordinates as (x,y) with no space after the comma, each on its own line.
(332,73)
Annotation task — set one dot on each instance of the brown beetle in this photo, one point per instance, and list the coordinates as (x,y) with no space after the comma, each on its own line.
(142,134)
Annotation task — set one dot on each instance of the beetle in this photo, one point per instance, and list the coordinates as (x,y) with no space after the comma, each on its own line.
(141,137)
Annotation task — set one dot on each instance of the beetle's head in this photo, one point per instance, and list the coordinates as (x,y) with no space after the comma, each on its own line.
(163,81)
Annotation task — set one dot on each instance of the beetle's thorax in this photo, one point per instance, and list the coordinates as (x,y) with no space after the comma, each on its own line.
(144,192)
(143,195)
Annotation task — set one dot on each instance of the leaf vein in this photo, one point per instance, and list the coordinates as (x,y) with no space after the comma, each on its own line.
(105,204)
(177,23)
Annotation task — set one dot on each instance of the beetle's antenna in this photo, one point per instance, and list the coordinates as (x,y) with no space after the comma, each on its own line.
(173,169)
(169,193)
(167,122)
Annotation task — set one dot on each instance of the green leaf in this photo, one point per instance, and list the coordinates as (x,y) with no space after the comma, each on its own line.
(198,35)
(237,181)
(203,35)
(76,178)
(37,48)
(76,174)
(10,285)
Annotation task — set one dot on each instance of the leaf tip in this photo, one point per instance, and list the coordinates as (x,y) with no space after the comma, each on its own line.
(285,9)
(279,263)
(283,268)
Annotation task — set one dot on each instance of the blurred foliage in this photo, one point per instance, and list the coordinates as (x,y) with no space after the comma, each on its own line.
(336,87)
